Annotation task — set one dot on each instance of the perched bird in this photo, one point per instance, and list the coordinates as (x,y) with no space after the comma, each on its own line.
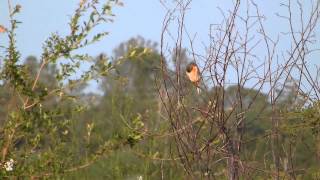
(193,74)
(2,29)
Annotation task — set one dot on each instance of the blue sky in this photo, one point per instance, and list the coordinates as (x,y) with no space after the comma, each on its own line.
(140,17)
(136,17)
(40,18)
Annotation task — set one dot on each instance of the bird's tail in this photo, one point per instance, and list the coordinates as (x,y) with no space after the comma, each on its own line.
(198,90)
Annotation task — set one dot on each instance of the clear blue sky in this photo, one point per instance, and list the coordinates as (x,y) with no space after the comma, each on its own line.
(140,17)
(136,17)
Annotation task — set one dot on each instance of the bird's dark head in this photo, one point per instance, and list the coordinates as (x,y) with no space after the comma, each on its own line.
(190,67)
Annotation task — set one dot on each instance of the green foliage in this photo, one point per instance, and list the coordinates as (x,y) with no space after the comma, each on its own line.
(37,127)
(303,120)
(135,135)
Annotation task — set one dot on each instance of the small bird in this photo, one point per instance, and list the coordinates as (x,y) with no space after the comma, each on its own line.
(193,74)
(2,29)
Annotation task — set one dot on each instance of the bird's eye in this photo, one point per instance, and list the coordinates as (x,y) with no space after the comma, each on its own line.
(189,69)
